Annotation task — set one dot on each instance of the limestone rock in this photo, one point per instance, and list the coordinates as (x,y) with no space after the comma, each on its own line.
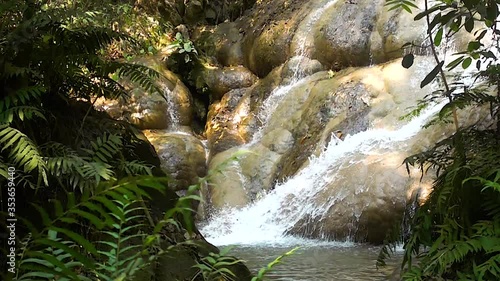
(221,80)
(222,43)
(227,187)
(182,156)
(169,109)
(333,45)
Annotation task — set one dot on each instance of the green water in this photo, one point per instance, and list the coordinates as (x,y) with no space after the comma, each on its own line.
(319,263)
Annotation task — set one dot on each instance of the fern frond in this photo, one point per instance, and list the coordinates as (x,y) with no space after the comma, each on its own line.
(135,167)
(138,74)
(21,112)
(407,5)
(23,152)
(105,147)
(53,251)
(123,246)
(13,71)
(22,96)
(90,38)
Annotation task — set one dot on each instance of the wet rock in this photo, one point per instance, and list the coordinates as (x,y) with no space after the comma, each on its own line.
(341,109)
(221,80)
(169,109)
(305,117)
(227,188)
(223,43)
(182,156)
(299,67)
(337,48)
(224,127)
(269,29)
(362,201)
(337,34)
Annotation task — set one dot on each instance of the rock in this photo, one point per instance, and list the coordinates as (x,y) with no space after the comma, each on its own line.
(222,43)
(362,200)
(227,187)
(336,48)
(221,80)
(170,109)
(228,10)
(224,129)
(269,29)
(341,109)
(301,125)
(194,11)
(393,29)
(299,67)
(337,34)
(182,157)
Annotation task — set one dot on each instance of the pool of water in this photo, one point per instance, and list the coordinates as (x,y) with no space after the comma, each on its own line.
(323,262)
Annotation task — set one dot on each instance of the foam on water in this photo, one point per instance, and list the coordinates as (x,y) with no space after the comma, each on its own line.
(265,221)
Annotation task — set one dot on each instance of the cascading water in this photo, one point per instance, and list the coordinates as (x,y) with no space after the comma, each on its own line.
(266,220)
(173,110)
(303,43)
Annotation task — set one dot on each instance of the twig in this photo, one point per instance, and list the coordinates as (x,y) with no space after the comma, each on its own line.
(441,72)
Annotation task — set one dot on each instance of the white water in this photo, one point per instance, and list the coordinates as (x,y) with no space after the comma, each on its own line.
(172,109)
(265,221)
(303,37)
(303,43)
(269,107)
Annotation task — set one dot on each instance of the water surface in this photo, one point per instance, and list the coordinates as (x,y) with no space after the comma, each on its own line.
(322,262)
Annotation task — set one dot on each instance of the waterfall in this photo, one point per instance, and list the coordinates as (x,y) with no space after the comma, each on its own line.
(266,220)
(269,107)
(172,109)
(303,43)
(303,38)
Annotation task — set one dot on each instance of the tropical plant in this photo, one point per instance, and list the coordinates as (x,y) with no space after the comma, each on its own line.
(263,271)
(51,76)
(117,246)
(184,46)
(215,266)
(455,234)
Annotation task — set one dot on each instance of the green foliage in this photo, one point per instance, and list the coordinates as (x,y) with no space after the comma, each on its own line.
(214,266)
(120,240)
(263,271)
(407,5)
(113,210)
(123,16)
(184,46)
(49,129)
(455,234)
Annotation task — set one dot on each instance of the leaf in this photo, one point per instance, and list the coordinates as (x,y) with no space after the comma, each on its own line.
(439,37)
(428,79)
(455,63)
(408,60)
(473,45)
(426,12)
(466,63)
(469,24)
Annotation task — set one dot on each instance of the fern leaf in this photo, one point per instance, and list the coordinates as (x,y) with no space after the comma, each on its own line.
(23,151)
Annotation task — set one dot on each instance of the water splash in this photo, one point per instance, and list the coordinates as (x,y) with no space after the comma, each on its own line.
(172,109)
(266,220)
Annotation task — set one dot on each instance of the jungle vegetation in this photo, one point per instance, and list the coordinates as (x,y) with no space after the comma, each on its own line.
(455,234)
(82,180)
